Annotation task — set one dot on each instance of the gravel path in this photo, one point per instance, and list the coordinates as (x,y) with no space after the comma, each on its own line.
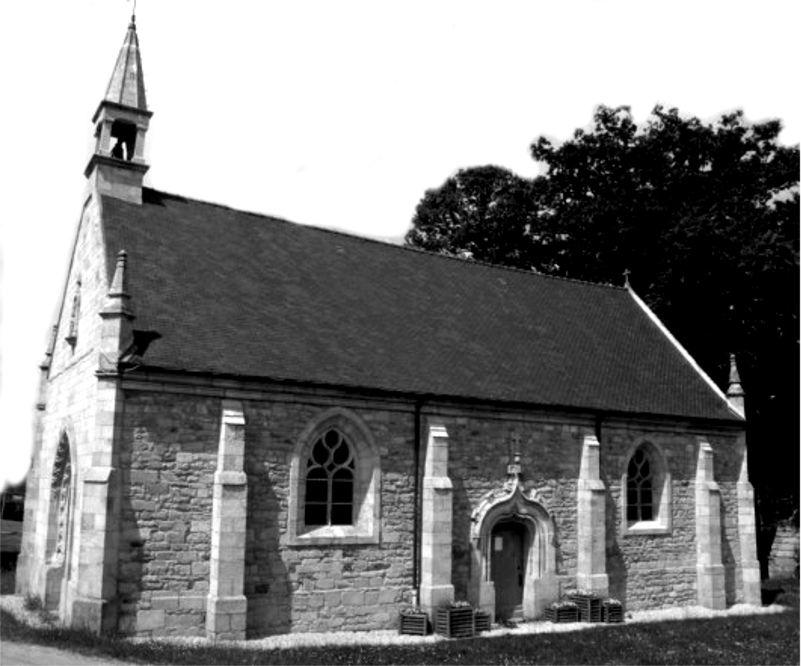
(24,654)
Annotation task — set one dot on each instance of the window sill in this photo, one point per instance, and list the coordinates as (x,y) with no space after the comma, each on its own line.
(333,535)
(646,528)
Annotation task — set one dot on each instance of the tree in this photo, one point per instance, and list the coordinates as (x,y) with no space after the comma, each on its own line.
(706,218)
(484,213)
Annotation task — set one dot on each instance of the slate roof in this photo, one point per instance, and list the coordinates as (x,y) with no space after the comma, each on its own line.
(235,293)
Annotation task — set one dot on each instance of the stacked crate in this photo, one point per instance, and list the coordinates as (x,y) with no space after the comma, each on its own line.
(589,607)
(455,622)
(611,611)
(563,612)
(482,621)
(416,625)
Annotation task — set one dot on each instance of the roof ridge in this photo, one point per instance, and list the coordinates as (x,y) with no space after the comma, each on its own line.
(384,243)
(513,269)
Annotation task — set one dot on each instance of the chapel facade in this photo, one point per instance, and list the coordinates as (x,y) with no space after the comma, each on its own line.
(248,427)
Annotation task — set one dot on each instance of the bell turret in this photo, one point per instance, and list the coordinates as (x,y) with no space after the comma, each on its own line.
(117,166)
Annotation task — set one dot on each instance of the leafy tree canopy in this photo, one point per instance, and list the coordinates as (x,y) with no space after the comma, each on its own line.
(705,216)
(483,213)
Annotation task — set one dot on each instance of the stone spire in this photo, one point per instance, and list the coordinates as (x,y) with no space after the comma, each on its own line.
(735,392)
(127,84)
(117,166)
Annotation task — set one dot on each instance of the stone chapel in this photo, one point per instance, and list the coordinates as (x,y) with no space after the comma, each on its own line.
(248,426)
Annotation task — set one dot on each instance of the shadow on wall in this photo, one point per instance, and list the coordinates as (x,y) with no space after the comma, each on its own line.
(766,535)
(729,564)
(132,556)
(267,585)
(460,549)
(165,540)
(615,562)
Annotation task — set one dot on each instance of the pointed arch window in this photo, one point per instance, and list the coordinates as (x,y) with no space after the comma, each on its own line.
(640,488)
(646,496)
(334,483)
(330,472)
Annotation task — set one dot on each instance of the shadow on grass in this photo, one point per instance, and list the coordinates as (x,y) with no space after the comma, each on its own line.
(763,639)
(754,639)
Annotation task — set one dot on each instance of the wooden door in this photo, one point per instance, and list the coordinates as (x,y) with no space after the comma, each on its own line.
(508,569)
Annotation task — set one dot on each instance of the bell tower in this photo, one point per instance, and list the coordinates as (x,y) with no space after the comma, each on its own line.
(117,165)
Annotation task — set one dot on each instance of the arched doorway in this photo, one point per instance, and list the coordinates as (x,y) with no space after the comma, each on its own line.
(513,572)
(510,545)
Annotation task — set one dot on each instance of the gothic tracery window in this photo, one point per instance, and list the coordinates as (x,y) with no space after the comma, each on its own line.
(334,482)
(640,487)
(330,472)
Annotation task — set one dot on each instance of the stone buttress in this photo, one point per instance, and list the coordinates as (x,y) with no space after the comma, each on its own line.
(437,524)
(92,593)
(226,608)
(591,562)
(746,519)
(710,571)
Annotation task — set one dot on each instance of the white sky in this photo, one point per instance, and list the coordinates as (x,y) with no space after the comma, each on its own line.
(336,114)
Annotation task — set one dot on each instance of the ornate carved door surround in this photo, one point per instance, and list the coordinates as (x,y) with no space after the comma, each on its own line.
(511,504)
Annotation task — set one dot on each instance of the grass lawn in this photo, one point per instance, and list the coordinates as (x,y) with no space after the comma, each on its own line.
(756,639)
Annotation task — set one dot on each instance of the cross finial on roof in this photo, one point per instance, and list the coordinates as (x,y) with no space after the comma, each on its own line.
(626,274)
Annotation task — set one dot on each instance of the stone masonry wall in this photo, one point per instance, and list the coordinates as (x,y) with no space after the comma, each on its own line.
(167,463)
(784,551)
(480,447)
(650,571)
(333,587)
(169,459)
(70,408)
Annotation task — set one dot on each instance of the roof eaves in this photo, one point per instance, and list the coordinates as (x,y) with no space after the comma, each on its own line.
(211,376)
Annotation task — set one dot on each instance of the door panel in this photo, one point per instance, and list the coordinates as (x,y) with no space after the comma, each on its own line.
(508,569)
